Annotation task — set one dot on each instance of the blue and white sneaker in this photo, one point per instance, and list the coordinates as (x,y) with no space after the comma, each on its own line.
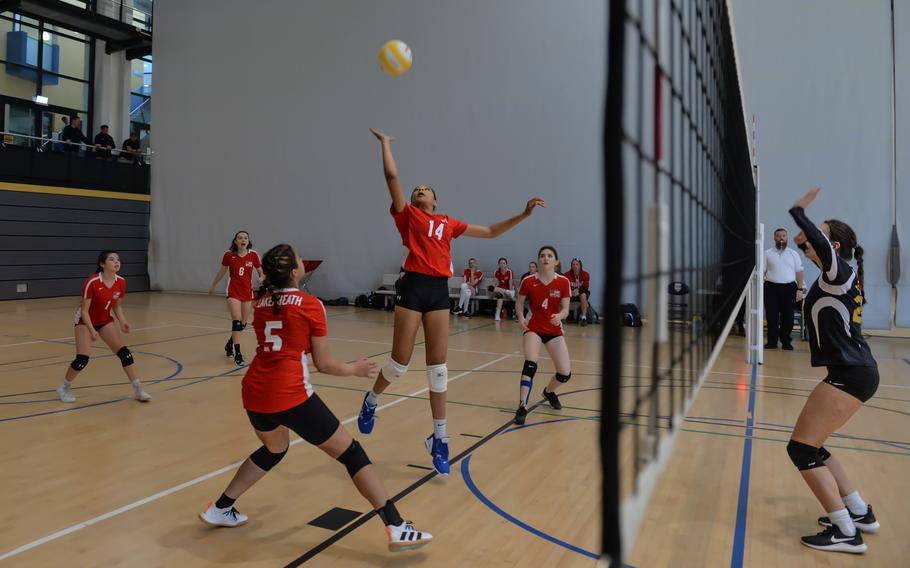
(367,418)
(439,449)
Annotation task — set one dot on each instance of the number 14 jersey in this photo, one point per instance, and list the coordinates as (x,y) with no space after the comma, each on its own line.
(428,238)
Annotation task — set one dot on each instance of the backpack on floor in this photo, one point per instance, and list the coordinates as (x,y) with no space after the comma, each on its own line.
(631,317)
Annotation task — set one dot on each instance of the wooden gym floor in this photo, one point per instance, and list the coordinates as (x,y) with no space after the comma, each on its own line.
(107,481)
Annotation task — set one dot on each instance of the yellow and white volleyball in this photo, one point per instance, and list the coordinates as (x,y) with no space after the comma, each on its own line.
(395,58)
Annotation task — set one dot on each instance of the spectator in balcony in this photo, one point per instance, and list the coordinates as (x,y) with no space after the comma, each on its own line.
(64,122)
(72,133)
(132,147)
(104,143)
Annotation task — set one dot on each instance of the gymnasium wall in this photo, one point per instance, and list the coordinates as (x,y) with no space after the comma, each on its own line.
(262,116)
(51,241)
(817,76)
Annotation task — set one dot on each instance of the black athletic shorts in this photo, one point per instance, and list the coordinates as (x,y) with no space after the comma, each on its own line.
(860,382)
(311,420)
(97,327)
(423,293)
(543,337)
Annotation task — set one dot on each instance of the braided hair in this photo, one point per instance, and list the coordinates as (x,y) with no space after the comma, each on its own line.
(849,248)
(277,265)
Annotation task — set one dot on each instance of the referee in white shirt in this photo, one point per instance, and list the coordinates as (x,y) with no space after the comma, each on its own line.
(783,288)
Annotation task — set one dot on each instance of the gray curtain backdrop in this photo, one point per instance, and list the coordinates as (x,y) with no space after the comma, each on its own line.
(262,111)
(817,75)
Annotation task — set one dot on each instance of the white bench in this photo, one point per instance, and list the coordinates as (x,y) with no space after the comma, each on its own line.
(388,281)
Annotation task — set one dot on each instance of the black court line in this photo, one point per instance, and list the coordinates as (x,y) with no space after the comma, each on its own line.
(311,553)
(471,435)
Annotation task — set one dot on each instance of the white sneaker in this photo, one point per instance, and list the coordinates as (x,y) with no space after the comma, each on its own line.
(496,318)
(229,517)
(406,537)
(140,394)
(65,393)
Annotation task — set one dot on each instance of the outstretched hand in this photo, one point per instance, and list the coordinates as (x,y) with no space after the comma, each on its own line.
(535,202)
(808,198)
(381,136)
(366,369)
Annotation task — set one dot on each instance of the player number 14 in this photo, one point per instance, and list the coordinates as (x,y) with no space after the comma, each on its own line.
(437,232)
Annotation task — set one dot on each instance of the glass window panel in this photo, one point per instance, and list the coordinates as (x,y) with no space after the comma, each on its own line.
(66,56)
(141,77)
(66,92)
(16,81)
(19,119)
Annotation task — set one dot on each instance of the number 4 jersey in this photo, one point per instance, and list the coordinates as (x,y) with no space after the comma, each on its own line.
(429,240)
(279,378)
(545,301)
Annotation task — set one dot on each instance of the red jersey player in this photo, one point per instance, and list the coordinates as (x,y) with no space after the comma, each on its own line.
(503,288)
(100,315)
(423,296)
(240,260)
(472,280)
(581,288)
(548,292)
(278,397)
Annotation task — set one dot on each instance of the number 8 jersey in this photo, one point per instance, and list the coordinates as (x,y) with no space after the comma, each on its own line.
(545,301)
(428,238)
(279,377)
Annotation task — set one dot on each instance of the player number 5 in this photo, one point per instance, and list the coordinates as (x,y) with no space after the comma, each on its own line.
(275,340)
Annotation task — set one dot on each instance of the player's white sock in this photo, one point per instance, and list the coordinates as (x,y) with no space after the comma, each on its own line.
(439,428)
(372,398)
(842,519)
(855,503)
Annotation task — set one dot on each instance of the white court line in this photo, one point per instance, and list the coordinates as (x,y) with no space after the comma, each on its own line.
(70,336)
(201,478)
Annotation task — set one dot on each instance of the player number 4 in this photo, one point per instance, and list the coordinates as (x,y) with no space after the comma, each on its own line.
(545,302)
(437,232)
(275,340)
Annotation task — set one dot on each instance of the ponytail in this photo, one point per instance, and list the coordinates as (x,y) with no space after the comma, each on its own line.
(858,253)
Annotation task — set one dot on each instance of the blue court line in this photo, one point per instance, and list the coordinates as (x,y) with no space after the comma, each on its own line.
(176,372)
(469,481)
(742,507)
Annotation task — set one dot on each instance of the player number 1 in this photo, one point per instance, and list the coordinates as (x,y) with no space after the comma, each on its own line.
(438,231)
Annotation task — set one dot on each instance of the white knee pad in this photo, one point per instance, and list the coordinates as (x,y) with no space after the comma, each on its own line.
(392,370)
(438,377)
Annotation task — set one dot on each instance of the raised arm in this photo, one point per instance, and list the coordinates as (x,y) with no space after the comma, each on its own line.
(496,229)
(823,248)
(322,358)
(391,171)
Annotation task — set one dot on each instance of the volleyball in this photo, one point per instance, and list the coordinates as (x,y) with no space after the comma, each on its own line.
(395,58)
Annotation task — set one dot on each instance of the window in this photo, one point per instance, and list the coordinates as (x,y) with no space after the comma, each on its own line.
(37,58)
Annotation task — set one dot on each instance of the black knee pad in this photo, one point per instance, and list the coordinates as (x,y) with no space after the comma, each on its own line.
(824,454)
(126,356)
(563,378)
(237,325)
(79,362)
(266,460)
(804,456)
(354,458)
(529,369)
